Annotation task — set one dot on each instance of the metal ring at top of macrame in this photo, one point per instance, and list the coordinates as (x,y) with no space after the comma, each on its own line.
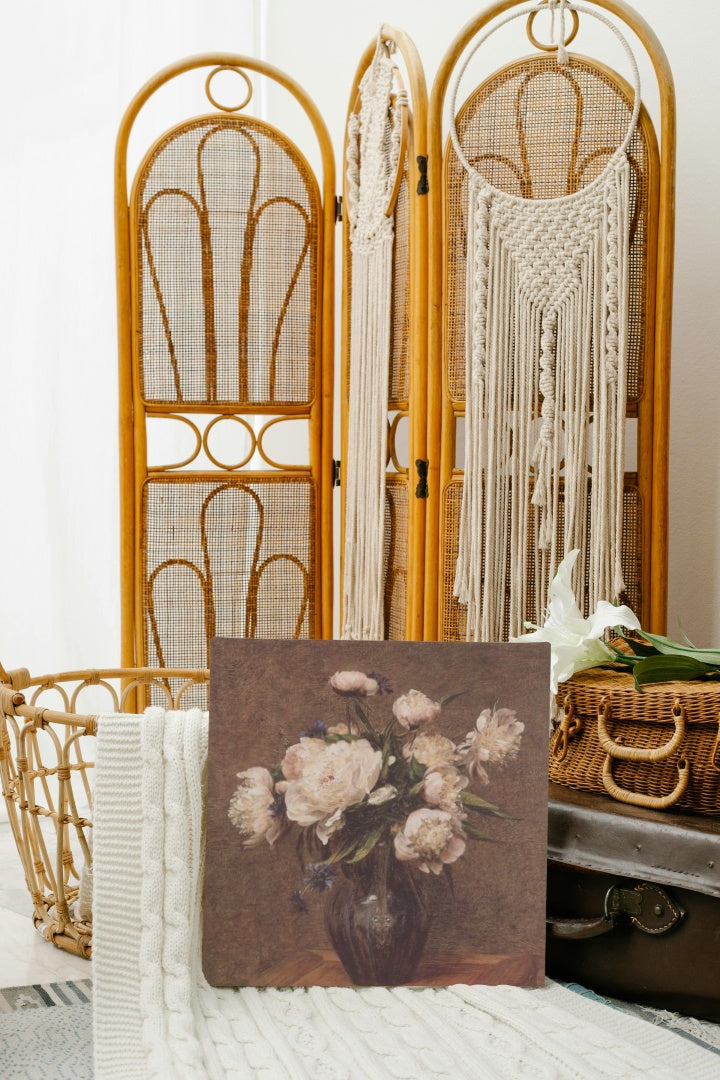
(619,152)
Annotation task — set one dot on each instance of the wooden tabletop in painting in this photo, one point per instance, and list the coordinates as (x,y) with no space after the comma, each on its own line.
(321,967)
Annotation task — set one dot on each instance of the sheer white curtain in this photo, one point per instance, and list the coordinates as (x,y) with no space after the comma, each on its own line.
(69,68)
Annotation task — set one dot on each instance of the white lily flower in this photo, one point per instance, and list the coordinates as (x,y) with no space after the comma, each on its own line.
(575,642)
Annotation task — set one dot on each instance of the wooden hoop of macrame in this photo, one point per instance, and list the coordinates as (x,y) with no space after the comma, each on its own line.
(546,322)
(373,164)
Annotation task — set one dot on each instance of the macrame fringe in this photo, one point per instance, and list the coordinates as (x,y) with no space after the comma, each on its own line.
(547,300)
(371,165)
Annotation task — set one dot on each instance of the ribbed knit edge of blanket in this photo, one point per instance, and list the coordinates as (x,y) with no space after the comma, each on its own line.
(156,1016)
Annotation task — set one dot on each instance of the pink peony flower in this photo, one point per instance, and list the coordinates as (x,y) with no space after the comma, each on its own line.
(430,839)
(354,682)
(415,709)
(429,748)
(254,808)
(299,755)
(326,780)
(494,741)
(442,785)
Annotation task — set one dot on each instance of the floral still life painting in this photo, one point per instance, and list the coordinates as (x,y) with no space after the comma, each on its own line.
(376,813)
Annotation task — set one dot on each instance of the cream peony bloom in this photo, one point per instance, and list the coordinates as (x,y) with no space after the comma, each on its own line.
(382,795)
(354,682)
(431,839)
(442,785)
(429,748)
(415,709)
(253,808)
(574,641)
(494,740)
(326,779)
(299,755)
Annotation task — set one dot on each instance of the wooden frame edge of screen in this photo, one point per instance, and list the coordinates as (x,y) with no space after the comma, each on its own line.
(321,441)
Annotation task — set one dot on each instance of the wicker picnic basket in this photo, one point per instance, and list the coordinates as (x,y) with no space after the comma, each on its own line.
(46,758)
(658,747)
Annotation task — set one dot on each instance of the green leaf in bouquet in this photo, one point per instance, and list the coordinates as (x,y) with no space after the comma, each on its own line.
(343,852)
(367,844)
(474,802)
(477,834)
(417,770)
(670,668)
(447,698)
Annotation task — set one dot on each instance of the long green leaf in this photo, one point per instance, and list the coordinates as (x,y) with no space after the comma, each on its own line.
(668,668)
(368,844)
(672,648)
(476,803)
(476,834)
(639,648)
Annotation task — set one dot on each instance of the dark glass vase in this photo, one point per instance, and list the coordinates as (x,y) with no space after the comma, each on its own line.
(378,919)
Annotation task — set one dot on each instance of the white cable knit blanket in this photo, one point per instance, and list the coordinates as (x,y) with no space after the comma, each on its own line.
(156,1016)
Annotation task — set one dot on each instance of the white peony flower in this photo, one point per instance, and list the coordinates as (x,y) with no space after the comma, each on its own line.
(415,709)
(442,785)
(494,740)
(574,641)
(429,748)
(326,779)
(254,809)
(431,839)
(299,755)
(382,795)
(354,682)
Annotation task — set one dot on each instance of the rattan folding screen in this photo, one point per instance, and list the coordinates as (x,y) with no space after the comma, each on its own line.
(225,285)
(225,254)
(515,126)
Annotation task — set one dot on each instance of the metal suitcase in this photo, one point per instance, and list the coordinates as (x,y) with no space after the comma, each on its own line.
(633,902)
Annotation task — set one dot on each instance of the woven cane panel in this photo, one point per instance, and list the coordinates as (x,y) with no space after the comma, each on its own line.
(539,131)
(234,558)
(396,555)
(453,622)
(226,218)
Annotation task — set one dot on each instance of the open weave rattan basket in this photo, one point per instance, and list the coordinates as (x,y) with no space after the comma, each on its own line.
(658,747)
(46,759)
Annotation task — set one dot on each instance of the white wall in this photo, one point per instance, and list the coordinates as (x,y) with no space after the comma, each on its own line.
(68,70)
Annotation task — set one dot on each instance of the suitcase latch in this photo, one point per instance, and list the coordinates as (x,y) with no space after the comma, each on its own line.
(646,905)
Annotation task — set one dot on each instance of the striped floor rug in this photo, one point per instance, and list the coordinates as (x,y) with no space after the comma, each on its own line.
(46,1031)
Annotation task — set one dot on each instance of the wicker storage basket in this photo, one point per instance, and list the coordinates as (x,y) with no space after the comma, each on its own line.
(658,747)
(46,758)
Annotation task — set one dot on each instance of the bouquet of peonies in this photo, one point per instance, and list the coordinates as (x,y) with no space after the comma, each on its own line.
(379,774)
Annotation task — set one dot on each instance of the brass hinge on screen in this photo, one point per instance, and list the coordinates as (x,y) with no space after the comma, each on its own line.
(338,208)
(421,491)
(336,473)
(423,187)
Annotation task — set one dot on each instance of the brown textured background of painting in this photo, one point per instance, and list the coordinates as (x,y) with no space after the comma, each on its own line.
(264,693)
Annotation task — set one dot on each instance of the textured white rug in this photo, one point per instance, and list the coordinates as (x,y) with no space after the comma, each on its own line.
(156,1016)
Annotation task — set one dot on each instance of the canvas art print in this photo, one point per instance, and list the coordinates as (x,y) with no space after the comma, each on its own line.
(376,813)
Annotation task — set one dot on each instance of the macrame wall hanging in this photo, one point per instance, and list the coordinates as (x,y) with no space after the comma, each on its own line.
(546,339)
(375,155)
